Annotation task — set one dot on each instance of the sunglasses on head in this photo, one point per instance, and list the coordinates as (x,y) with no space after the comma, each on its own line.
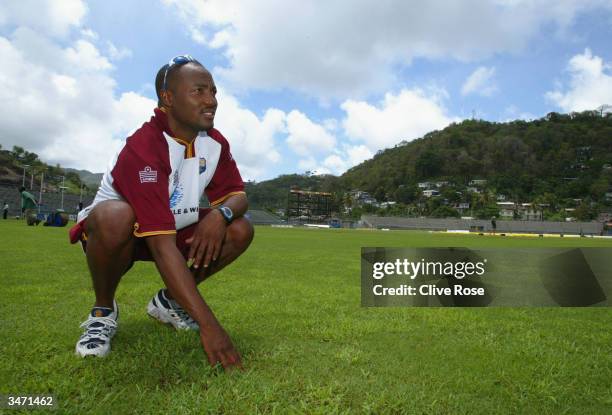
(176,61)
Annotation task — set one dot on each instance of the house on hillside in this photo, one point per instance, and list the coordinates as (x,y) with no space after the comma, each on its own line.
(506,209)
(529,211)
(477,182)
(522,211)
(431,193)
(461,207)
(361,198)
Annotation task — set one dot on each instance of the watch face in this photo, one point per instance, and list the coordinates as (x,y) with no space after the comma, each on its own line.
(227,213)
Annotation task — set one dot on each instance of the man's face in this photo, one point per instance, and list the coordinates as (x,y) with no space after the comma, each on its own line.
(194,101)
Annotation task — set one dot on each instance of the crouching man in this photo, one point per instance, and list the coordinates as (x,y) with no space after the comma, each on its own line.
(147,209)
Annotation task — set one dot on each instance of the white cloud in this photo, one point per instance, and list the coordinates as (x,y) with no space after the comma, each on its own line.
(86,57)
(480,82)
(590,84)
(329,49)
(335,164)
(197,36)
(89,34)
(308,164)
(307,137)
(62,101)
(51,17)
(116,53)
(252,139)
(65,119)
(405,116)
(513,113)
(64,106)
(338,162)
(358,154)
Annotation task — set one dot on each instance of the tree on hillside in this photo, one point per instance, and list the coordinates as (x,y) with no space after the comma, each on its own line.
(428,164)
(445,212)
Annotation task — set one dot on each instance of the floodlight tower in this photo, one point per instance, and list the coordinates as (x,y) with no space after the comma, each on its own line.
(40,192)
(25,166)
(62,188)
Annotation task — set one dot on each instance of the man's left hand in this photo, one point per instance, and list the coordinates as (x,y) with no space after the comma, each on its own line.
(207,239)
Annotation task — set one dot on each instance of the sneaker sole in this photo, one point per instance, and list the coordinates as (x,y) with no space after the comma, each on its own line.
(99,354)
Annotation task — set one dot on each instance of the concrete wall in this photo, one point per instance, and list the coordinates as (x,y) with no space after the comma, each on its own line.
(517,226)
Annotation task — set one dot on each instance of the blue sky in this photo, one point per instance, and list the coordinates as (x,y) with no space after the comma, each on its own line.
(304,85)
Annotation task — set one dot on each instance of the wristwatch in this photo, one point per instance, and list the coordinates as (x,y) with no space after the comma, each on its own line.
(227,213)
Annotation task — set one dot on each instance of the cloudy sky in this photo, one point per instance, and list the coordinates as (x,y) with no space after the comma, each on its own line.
(304,85)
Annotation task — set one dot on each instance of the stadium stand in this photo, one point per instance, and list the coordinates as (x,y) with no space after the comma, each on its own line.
(538,227)
(51,201)
(261,217)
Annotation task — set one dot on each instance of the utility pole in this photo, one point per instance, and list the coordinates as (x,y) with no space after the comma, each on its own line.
(25,166)
(42,177)
(62,187)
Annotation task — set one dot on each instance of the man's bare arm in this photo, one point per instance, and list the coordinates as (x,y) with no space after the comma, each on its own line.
(182,286)
(238,203)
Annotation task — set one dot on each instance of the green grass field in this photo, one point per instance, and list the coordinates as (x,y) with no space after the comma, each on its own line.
(292,307)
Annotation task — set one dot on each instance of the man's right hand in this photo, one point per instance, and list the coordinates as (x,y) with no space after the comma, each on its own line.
(182,285)
(219,348)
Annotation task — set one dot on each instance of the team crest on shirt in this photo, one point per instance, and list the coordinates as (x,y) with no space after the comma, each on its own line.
(202,165)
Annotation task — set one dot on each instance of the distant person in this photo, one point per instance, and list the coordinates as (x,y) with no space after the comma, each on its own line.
(28,207)
(147,209)
(5,210)
(493,225)
(79,207)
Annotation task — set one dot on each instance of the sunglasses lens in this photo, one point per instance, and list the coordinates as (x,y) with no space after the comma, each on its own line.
(179,60)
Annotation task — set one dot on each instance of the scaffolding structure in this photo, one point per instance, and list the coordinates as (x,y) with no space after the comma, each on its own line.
(308,207)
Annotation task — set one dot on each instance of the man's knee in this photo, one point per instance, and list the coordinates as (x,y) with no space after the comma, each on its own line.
(111,220)
(241,233)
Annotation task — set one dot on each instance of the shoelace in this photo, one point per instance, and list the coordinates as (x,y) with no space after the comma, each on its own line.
(103,327)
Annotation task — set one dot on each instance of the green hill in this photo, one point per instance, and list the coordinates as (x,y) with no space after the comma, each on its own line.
(91,180)
(563,155)
(553,161)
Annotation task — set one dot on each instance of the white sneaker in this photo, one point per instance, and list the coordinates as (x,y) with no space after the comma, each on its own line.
(169,311)
(100,328)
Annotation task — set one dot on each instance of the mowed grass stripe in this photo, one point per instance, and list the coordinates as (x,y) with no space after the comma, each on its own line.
(292,306)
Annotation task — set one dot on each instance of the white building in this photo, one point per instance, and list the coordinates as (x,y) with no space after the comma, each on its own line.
(430,193)
(506,209)
(478,182)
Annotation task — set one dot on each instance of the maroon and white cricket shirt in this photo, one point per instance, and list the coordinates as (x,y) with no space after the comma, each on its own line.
(163,177)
